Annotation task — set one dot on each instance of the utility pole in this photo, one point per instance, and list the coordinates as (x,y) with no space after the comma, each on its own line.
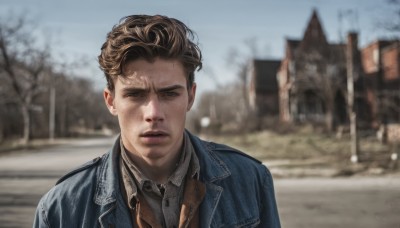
(350,61)
(347,20)
(52,109)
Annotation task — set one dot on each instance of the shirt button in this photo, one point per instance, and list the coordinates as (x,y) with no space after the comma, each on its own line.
(147,186)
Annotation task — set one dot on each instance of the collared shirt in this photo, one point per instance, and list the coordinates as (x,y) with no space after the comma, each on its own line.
(164,200)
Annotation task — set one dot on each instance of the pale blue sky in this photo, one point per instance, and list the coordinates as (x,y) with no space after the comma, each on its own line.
(79,27)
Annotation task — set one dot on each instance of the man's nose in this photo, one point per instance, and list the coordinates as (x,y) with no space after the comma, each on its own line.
(153,110)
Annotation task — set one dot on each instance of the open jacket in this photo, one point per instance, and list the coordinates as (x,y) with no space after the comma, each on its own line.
(239,192)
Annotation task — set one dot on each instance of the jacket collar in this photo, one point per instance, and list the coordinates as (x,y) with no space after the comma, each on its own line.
(212,171)
(107,188)
(212,168)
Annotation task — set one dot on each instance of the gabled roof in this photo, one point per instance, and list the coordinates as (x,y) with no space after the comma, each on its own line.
(314,38)
(314,34)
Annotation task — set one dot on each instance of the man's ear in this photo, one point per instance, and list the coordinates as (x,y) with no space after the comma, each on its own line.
(192,95)
(109,99)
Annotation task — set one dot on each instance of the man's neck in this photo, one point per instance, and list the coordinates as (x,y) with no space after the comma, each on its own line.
(156,170)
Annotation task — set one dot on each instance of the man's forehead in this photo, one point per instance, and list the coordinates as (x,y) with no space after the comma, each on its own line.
(132,78)
(136,81)
(142,73)
(143,65)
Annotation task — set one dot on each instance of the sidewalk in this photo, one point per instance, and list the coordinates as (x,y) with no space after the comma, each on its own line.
(325,167)
(15,146)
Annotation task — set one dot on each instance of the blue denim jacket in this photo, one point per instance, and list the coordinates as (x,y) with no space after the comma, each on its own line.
(239,192)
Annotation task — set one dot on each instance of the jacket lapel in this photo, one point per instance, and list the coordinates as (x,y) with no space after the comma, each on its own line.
(115,215)
(107,186)
(113,210)
(212,171)
(209,204)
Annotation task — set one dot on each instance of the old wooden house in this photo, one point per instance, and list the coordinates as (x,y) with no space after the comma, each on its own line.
(310,84)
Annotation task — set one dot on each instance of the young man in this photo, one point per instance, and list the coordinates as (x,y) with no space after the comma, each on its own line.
(158,174)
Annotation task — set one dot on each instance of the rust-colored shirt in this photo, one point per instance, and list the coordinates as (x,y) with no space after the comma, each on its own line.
(163,201)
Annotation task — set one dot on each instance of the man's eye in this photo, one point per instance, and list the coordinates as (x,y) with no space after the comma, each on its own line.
(170,94)
(136,95)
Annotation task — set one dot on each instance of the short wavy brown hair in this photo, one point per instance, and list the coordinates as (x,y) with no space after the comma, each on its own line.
(149,37)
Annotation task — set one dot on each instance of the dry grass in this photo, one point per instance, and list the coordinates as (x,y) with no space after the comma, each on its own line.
(306,153)
(303,144)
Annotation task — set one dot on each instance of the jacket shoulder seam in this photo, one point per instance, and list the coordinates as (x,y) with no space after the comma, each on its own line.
(225,148)
(85,166)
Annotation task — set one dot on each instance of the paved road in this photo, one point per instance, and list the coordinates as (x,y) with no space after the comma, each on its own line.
(308,202)
(26,175)
(352,202)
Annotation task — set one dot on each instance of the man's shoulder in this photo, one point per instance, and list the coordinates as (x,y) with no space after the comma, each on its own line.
(240,166)
(225,150)
(71,185)
(222,150)
(85,168)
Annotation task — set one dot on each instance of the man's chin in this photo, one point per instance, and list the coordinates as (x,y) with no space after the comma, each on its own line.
(154,141)
(155,154)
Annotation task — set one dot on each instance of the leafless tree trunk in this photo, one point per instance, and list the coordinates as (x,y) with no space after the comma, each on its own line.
(27,122)
(241,62)
(23,65)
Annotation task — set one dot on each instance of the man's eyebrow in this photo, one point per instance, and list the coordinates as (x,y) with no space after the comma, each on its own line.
(170,88)
(126,90)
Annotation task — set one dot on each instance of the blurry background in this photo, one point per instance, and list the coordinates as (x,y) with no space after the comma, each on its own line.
(60,41)
(309,87)
(68,37)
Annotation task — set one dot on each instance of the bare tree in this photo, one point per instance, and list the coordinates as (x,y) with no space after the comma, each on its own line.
(241,63)
(23,66)
(221,106)
(390,21)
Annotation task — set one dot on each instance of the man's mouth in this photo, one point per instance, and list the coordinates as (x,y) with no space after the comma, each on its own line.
(154,137)
(154,134)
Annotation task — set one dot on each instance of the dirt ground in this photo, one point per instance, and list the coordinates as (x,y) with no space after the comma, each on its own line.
(306,153)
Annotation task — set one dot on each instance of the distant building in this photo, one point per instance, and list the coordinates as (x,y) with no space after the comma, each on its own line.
(381,67)
(264,90)
(310,83)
